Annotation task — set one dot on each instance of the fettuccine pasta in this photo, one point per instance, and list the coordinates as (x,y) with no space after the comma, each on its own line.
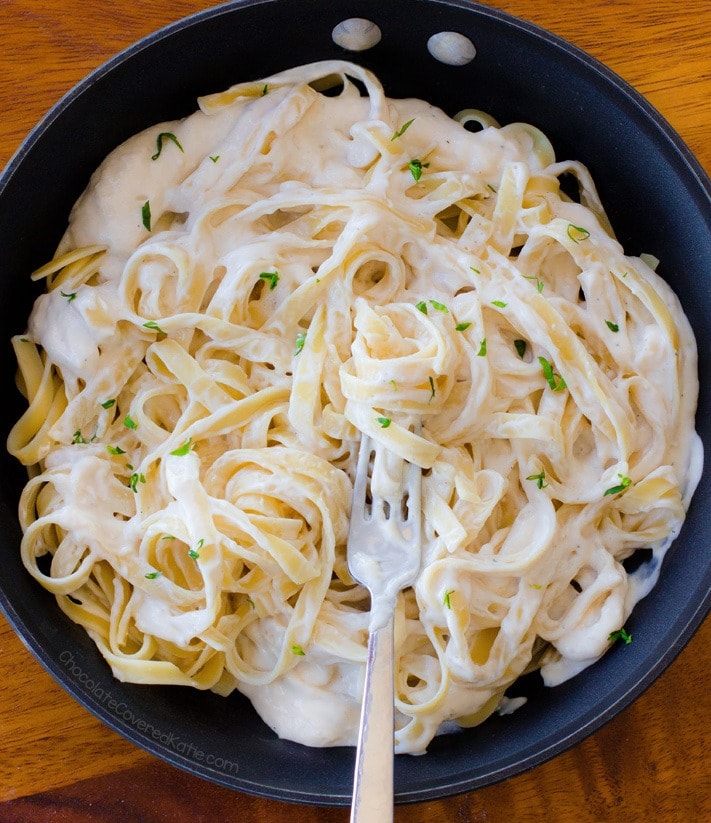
(242,293)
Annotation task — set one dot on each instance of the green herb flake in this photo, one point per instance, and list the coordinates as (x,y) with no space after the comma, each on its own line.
(416,167)
(402,129)
(500,304)
(72,295)
(77,437)
(384,422)
(165,135)
(520,346)
(265,90)
(476,271)
(136,478)
(115,450)
(462,326)
(577,233)
(421,306)
(447,599)
(623,484)
(271,277)
(482,349)
(439,306)
(146,215)
(130,423)
(181,451)
(432,386)
(214,157)
(107,404)
(153,326)
(300,341)
(297,650)
(555,381)
(539,479)
(612,326)
(539,282)
(393,383)
(195,553)
(621,634)
(152,575)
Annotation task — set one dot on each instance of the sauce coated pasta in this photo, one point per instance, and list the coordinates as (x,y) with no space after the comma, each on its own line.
(239,295)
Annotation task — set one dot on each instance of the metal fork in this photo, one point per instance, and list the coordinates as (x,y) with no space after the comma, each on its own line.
(384,543)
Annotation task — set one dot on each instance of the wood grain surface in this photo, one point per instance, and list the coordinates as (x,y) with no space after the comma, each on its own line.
(58,763)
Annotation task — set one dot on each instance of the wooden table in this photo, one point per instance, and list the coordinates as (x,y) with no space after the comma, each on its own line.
(59,763)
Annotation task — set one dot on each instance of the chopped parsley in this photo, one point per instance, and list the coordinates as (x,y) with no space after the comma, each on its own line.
(447,599)
(555,381)
(416,167)
(384,422)
(152,575)
(612,326)
(130,423)
(482,348)
(146,215)
(265,90)
(181,451)
(623,484)
(539,282)
(432,387)
(136,478)
(422,306)
(402,129)
(577,233)
(115,450)
(77,437)
(107,404)
(153,326)
(165,135)
(621,634)
(462,326)
(499,304)
(540,479)
(300,341)
(214,157)
(439,306)
(195,553)
(297,650)
(271,277)
(72,295)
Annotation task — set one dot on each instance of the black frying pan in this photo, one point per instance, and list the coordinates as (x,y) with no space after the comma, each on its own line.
(658,199)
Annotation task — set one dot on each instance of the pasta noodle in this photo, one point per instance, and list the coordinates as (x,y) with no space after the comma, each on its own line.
(239,295)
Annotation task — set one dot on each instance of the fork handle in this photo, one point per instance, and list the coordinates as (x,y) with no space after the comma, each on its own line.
(373,780)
